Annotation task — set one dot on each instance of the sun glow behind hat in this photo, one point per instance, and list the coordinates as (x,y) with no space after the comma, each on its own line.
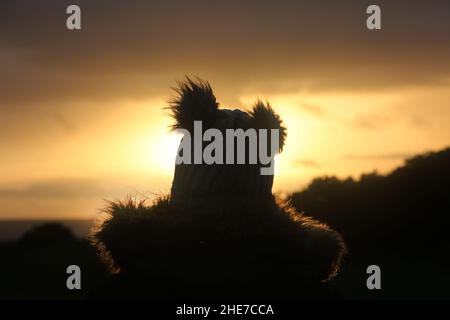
(195,101)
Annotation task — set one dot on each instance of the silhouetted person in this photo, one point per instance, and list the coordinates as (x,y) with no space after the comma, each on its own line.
(221,233)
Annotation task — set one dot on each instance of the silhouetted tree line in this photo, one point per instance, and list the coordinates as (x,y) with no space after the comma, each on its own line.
(407,209)
(34,267)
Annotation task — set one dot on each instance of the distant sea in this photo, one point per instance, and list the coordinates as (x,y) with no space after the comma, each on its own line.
(11,230)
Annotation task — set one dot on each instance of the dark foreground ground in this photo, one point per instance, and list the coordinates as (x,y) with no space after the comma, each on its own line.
(38,271)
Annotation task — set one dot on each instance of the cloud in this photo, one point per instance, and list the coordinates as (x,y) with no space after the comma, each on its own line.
(306,163)
(419,121)
(368,121)
(58,189)
(138,49)
(67,125)
(313,109)
(384,156)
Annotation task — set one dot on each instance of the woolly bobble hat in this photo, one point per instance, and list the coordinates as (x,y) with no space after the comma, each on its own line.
(193,183)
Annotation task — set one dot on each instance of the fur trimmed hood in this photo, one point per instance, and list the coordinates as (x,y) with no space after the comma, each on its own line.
(223,246)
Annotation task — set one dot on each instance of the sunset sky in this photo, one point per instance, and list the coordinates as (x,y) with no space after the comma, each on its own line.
(81,112)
